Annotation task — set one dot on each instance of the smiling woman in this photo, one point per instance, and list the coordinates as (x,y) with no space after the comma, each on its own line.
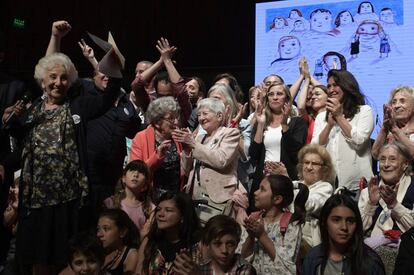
(54,159)
(398,121)
(316,171)
(210,161)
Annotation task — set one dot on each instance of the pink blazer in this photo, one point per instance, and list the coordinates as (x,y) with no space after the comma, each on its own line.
(218,171)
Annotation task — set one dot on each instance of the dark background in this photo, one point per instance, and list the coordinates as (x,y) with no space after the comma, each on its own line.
(212,36)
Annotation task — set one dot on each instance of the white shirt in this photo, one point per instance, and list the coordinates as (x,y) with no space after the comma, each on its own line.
(272,143)
(351,156)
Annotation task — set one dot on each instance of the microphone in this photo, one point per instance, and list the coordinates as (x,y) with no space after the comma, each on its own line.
(25,99)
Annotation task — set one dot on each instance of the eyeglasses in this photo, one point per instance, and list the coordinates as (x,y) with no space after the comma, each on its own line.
(312,163)
(171,120)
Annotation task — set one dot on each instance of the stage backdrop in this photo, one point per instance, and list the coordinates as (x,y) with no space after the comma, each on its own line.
(376,38)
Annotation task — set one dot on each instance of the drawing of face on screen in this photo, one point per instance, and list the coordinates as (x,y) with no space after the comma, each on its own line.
(368,36)
(289,47)
(321,20)
(365,12)
(279,22)
(387,19)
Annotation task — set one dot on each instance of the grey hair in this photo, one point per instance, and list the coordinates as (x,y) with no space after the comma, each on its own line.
(402,150)
(213,104)
(408,89)
(228,93)
(47,62)
(159,107)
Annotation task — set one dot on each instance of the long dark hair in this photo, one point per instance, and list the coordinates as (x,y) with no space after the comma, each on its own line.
(144,197)
(353,97)
(190,229)
(123,222)
(283,186)
(356,250)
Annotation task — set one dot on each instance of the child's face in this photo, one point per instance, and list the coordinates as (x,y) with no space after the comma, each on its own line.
(263,196)
(345,18)
(365,8)
(289,48)
(82,265)
(299,26)
(293,15)
(368,29)
(387,16)
(321,21)
(135,181)
(279,23)
(109,233)
(341,225)
(222,251)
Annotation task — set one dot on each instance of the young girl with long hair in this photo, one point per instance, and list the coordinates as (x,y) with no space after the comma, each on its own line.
(133,195)
(273,234)
(120,238)
(342,250)
(175,227)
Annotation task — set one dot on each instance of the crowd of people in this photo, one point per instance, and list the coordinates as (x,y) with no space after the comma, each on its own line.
(174,178)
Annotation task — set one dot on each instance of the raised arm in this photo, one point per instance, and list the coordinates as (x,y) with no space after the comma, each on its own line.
(294,89)
(88,53)
(166,52)
(59,30)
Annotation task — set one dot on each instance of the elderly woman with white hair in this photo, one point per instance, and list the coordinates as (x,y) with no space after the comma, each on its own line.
(387,206)
(398,121)
(210,160)
(53,179)
(156,148)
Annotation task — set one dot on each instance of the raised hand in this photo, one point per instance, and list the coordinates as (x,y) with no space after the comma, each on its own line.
(163,148)
(87,51)
(185,137)
(184,265)
(166,51)
(286,109)
(334,107)
(60,28)
(389,194)
(389,121)
(255,228)
(259,113)
(241,112)
(373,191)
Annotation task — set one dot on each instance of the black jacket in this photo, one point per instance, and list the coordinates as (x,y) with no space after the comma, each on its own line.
(292,141)
(314,259)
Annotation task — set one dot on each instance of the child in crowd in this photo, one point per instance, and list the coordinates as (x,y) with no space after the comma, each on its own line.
(175,227)
(220,239)
(342,250)
(133,195)
(274,234)
(119,237)
(86,254)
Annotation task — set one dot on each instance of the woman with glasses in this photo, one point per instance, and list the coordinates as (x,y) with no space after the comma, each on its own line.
(156,148)
(316,171)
